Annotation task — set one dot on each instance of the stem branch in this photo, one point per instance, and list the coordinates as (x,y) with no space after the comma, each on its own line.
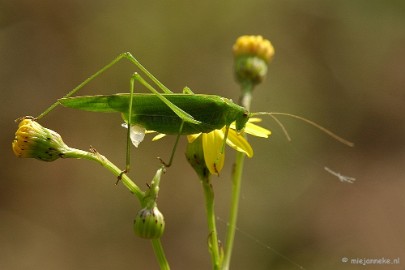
(93,155)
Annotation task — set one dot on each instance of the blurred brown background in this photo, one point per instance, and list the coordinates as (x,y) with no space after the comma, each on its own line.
(338,63)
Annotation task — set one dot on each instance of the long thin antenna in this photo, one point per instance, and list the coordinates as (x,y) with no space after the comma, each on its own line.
(325,130)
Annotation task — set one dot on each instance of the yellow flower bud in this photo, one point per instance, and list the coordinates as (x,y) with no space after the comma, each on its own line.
(254,46)
(252,55)
(34,141)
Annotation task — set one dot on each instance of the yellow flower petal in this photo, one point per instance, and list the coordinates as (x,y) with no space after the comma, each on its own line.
(256,130)
(212,146)
(253,129)
(192,137)
(239,143)
(158,137)
(254,120)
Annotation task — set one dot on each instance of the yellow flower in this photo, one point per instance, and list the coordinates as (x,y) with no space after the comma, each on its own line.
(254,45)
(213,143)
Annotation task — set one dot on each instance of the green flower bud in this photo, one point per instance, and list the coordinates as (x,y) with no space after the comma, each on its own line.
(34,141)
(149,223)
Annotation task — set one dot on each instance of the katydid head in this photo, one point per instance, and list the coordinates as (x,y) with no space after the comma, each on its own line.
(241,120)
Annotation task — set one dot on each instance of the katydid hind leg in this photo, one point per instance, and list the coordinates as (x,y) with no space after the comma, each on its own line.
(128,56)
(85,82)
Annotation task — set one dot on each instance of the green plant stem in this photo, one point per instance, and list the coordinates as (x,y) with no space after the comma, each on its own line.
(93,155)
(245,101)
(160,254)
(213,235)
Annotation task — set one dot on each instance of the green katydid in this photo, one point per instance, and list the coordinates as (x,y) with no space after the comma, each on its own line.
(168,113)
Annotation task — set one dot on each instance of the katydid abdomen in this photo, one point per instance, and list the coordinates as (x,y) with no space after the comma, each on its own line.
(148,111)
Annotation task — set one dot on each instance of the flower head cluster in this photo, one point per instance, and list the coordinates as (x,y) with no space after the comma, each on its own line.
(255,46)
(34,141)
(252,55)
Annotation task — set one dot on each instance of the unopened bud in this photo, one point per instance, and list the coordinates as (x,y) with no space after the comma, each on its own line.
(34,141)
(149,223)
(252,55)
